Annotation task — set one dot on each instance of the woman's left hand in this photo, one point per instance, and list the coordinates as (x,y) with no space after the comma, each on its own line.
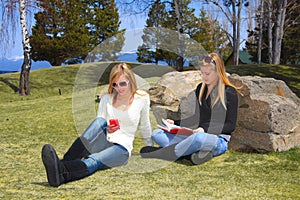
(200,129)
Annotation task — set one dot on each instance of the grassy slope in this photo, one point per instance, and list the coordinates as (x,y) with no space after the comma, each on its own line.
(26,123)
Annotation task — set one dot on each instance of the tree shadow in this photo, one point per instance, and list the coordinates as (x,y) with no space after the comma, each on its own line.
(9,84)
(45,184)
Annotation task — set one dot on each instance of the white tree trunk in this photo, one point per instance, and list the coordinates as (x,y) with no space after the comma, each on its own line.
(238,33)
(24,75)
(270,28)
(179,59)
(280,18)
(260,36)
(234,17)
(234,34)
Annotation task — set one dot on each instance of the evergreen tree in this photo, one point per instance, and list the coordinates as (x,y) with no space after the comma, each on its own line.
(72,28)
(162,44)
(162,16)
(149,51)
(211,36)
(182,19)
(103,22)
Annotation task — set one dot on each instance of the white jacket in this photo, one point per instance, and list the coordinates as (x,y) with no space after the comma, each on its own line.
(137,115)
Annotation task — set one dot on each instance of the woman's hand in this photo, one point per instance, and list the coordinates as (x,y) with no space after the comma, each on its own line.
(112,128)
(170,121)
(200,129)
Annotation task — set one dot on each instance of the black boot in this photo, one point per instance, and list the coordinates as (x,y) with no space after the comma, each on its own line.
(59,172)
(165,153)
(76,151)
(74,170)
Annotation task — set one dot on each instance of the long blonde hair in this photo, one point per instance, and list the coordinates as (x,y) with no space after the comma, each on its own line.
(217,64)
(116,72)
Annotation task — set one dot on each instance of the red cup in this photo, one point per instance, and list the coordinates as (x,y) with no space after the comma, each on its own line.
(114,122)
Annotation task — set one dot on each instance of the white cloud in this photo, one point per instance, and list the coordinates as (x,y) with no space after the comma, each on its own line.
(16,57)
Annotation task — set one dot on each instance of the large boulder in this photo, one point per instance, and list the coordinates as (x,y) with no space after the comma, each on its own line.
(268,114)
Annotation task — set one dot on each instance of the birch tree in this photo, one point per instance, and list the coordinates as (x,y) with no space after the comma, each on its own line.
(25,70)
(232,9)
(279,28)
(276,31)
(10,10)
(260,36)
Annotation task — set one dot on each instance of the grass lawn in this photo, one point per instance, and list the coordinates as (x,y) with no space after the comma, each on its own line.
(27,123)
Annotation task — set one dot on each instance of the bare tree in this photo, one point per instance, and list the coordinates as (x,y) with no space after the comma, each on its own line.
(280,19)
(9,15)
(232,9)
(260,34)
(276,24)
(270,28)
(24,75)
(179,59)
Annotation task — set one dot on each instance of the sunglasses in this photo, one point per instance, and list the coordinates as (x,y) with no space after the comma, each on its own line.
(209,59)
(120,84)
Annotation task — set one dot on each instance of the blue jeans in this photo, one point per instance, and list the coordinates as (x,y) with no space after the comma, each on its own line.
(187,145)
(103,154)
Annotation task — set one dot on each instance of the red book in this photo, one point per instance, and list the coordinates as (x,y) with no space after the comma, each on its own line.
(174,129)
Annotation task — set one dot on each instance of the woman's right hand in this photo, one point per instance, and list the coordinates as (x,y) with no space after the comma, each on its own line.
(112,128)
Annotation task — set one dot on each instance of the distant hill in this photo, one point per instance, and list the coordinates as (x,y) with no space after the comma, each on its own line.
(132,57)
(128,57)
(14,65)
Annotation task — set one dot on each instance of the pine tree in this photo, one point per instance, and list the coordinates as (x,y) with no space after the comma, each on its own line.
(211,36)
(199,35)
(72,28)
(163,18)
(103,22)
(149,51)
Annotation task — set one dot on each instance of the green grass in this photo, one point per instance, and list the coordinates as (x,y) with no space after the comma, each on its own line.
(27,123)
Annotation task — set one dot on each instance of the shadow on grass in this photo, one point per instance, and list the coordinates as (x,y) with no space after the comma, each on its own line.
(9,84)
(45,184)
(185,160)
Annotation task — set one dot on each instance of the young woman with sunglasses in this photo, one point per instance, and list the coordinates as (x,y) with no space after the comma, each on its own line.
(215,104)
(108,141)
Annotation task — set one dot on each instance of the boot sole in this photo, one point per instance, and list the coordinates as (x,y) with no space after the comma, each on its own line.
(50,161)
(201,157)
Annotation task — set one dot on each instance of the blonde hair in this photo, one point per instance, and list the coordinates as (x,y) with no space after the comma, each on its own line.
(217,65)
(116,72)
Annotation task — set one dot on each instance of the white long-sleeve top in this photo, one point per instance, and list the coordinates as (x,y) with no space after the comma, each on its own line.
(137,115)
